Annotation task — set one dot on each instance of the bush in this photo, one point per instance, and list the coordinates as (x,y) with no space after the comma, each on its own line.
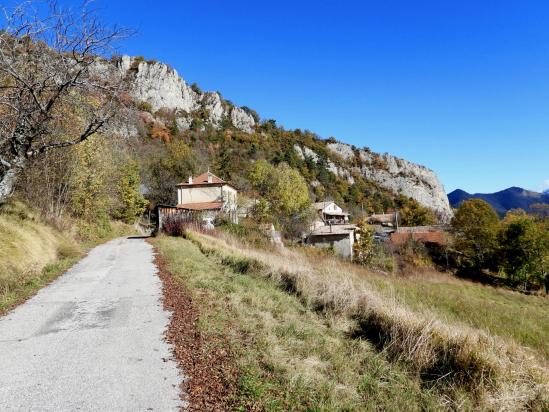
(144,107)
(363,248)
(174,226)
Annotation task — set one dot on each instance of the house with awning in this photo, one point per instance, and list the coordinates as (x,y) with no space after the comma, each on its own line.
(209,194)
(331,229)
(331,213)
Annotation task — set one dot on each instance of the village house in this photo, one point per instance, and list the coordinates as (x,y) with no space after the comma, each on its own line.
(201,199)
(330,212)
(208,193)
(331,229)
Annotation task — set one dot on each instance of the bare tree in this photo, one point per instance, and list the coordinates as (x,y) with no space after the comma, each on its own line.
(56,88)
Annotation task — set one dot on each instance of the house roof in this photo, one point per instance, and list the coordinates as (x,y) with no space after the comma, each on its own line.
(202,180)
(333,230)
(201,206)
(382,217)
(322,205)
(425,237)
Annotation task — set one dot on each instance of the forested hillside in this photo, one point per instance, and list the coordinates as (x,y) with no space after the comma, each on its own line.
(228,139)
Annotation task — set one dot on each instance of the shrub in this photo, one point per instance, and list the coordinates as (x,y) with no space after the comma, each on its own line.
(144,107)
(196,89)
(363,248)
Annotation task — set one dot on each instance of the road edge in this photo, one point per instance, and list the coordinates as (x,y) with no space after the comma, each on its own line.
(206,362)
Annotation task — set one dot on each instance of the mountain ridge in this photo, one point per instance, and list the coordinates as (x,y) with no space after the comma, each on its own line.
(502,201)
(157,88)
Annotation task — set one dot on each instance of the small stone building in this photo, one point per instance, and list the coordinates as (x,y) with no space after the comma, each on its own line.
(331,229)
(339,237)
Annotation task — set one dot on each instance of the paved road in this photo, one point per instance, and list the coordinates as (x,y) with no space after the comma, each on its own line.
(92,340)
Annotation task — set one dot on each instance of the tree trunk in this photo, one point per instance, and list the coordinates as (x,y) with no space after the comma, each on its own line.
(7,183)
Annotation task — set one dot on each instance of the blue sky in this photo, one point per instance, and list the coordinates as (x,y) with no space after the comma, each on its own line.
(460,86)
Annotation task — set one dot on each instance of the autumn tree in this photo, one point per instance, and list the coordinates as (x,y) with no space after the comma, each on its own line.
(165,165)
(363,248)
(524,248)
(411,213)
(475,228)
(282,186)
(131,202)
(285,191)
(50,70)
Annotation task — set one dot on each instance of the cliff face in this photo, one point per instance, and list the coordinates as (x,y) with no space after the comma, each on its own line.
(397,175)
(407,178)
(161,87)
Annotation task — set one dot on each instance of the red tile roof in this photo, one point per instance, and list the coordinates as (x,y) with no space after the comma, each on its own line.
(203,180)
(200,206)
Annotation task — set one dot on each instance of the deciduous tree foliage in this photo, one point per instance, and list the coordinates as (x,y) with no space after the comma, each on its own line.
(283,187)
(131,202)
(48,69)
(363,248)
(475,227)
(524,248)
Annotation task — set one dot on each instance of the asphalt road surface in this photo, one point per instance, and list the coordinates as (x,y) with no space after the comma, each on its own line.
(92,340)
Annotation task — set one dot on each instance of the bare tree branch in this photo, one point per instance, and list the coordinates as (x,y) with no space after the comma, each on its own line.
(56,87)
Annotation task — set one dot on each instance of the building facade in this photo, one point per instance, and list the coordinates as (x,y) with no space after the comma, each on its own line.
(209,194)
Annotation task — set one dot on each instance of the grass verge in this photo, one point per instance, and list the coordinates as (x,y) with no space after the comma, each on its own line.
(287,356)
(33,253)
(463,366)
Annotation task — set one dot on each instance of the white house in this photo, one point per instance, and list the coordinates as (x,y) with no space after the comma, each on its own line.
(330,212)
(331,229)
(208,193)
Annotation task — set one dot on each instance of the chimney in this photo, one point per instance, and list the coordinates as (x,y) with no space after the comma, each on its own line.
(190,180)
(209,177)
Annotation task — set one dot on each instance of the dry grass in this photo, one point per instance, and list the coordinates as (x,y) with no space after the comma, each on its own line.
(461,361)
(27,246)
(33,252)
(288,357)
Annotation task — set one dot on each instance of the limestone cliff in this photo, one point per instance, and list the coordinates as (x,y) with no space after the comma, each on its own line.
(159,86)
(397,175)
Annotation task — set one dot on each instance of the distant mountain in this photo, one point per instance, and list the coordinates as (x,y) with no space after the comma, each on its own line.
(511,198)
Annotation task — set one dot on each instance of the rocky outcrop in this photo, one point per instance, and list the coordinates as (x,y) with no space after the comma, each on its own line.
(397,175)
(160,86)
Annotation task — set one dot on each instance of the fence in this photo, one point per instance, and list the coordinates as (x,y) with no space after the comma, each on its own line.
(176,221)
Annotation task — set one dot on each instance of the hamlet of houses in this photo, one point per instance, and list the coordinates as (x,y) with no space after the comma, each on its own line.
(210,195)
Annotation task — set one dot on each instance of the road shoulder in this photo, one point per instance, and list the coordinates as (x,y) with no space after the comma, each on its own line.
(210,374)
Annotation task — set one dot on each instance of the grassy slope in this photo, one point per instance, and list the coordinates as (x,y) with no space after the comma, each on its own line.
(290,358)
(33,253)
(419,323)
(511,315)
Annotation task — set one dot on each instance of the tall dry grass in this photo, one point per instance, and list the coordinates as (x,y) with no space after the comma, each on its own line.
(27,245)
(456,359)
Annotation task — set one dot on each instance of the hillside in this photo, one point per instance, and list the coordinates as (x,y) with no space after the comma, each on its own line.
(227,138)
(313,333)
(502,201)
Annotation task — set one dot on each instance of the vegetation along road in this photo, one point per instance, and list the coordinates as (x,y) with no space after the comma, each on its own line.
(92,340)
